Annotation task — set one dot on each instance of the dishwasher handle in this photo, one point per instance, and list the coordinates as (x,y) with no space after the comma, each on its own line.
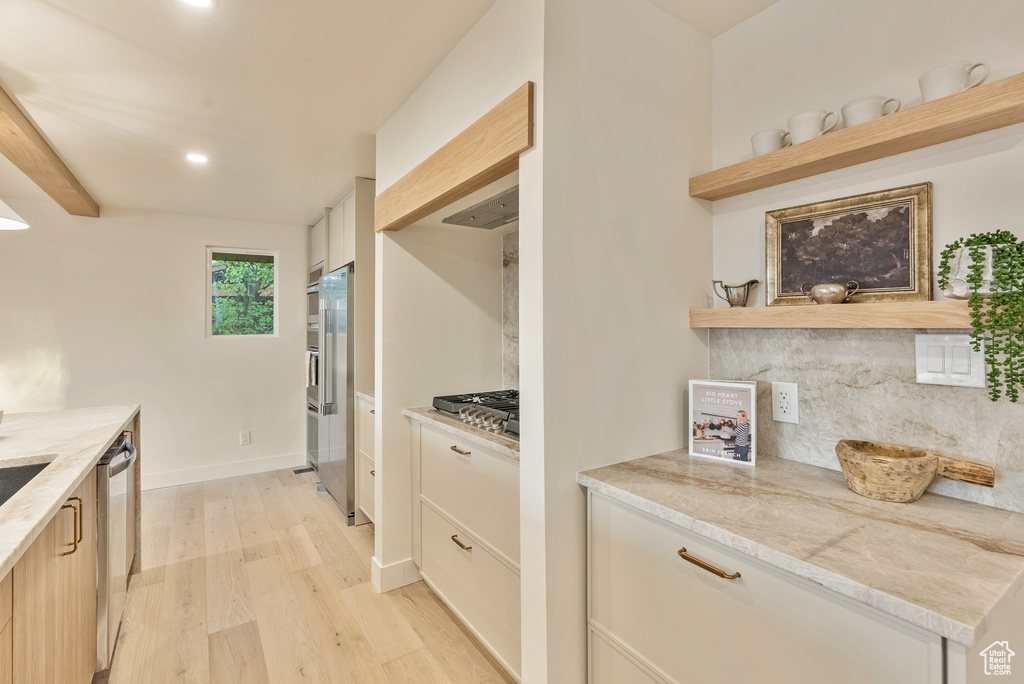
(121,466)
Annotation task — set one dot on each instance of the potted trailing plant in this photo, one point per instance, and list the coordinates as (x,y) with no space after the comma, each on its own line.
(987,269)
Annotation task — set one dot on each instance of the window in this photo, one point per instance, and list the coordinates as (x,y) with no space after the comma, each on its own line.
(241,287)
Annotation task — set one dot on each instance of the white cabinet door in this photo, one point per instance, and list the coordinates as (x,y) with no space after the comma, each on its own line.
(318,243)
(481,589)
(366,495)
(338,230)
(613,665)
(476,487)
(349,242)
(364,429)
(764,626)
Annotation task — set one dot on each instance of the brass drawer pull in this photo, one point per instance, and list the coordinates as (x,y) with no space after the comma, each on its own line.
(460,451)
(455,538)
(74,530)
(373,410)
(81,516)
(373,473)
(707,566)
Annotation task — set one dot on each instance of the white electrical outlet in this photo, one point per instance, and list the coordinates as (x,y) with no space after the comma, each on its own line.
(244,438)
(784,403)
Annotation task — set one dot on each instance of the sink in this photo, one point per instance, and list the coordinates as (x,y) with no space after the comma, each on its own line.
(13,478)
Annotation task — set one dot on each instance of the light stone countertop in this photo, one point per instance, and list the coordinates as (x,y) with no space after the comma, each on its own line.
(943,564)
(506,446)
(73,442)
(366,396)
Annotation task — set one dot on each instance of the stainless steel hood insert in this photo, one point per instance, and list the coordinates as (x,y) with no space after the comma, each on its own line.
(496,212)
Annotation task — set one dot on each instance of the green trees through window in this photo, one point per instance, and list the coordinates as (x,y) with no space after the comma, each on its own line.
(243,294)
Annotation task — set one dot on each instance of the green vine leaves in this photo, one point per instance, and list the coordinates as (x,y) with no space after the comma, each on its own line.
(997,319)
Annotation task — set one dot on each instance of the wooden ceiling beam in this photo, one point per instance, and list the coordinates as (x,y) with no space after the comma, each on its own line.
(27,149)
(483,153)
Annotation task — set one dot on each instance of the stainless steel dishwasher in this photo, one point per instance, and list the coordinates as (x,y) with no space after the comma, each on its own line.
(115,488)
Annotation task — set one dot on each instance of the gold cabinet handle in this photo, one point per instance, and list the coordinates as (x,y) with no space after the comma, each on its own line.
(80,516)
(455,538)
(373,411)
(74,531)
(714,570)
(460,451)
(373,473)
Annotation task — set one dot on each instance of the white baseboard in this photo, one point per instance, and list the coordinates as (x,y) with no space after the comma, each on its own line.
(393,576)
(217,471)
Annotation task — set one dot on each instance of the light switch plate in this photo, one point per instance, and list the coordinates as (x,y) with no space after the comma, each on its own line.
(949,360)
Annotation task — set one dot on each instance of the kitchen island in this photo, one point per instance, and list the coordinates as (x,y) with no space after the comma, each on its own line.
(946,572)
(72,442)
(56,595)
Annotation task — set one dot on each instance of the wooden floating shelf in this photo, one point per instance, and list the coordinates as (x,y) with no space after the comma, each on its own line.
(985,108)
(942,314)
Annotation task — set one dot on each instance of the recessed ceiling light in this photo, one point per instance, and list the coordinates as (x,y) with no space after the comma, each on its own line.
(200,3)
(197,157)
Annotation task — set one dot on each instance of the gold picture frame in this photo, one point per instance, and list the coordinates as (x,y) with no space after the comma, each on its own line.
(882,240)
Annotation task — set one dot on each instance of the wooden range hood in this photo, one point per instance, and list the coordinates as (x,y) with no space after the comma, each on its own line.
(486,151)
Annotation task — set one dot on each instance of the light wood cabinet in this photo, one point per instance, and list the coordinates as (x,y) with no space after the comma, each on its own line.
(6,654)
(466,536)
(675,621)
(6,633)
(54,607)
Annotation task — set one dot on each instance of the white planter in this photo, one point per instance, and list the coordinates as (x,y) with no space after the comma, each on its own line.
(960,267)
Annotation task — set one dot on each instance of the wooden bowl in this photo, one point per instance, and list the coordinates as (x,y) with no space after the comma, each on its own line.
(893,472)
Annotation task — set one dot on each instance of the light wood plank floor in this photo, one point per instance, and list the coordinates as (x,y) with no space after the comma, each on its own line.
(257,579)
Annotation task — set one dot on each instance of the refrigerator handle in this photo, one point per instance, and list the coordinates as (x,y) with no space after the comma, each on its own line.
(328,369)
(321,364)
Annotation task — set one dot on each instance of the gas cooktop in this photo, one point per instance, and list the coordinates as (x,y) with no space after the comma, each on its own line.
(494,411)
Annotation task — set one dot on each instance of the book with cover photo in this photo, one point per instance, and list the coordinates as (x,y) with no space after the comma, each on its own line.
(723,416)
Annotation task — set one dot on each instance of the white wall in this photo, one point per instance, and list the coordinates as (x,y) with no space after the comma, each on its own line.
(804,54)
(623,255)
(439,332)
(112,310)
(424,297)
(612,254)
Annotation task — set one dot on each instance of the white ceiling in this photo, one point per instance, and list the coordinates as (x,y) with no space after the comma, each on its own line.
(712,17)
(284,96)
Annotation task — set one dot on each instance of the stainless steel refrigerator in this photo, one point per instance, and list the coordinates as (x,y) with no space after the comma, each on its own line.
(336,429)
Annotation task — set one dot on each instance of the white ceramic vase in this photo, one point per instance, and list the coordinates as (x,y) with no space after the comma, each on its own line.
(960,268)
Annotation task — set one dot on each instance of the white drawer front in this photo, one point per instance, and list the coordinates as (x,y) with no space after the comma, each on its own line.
(367,494)
(364,430)
(479,489)
(482,590)
(766,626)
(609,666)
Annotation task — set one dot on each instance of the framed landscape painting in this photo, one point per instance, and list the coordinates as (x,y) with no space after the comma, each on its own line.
(882,240)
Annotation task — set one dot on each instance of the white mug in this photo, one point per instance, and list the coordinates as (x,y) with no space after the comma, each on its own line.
(868,109)
(810,125)
(769,141)
(950,79)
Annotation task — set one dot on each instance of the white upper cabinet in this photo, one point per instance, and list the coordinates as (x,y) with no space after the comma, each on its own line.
(351,221)
(318,243)
(340,227)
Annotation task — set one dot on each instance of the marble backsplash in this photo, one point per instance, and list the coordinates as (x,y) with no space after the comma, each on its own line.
(861,384)
(510,311)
